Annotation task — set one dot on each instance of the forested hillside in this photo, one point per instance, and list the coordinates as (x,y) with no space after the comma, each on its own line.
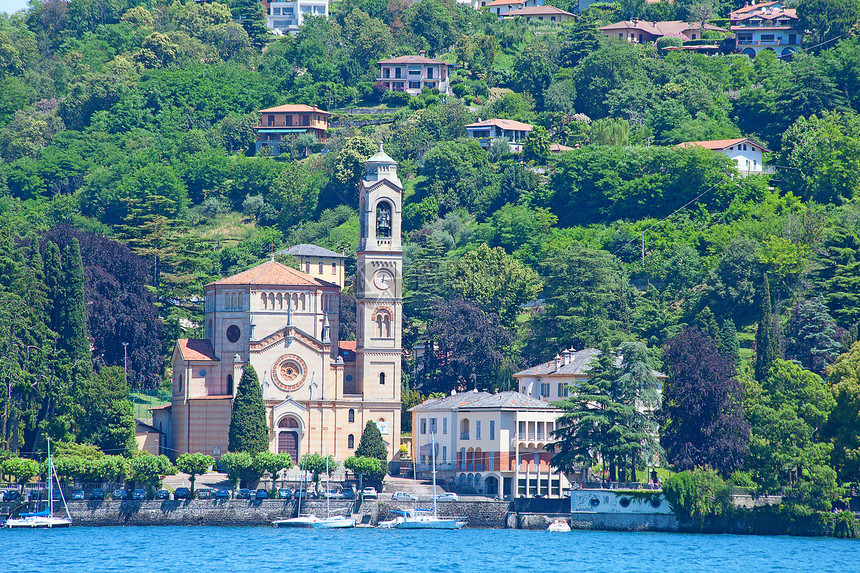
(126,135)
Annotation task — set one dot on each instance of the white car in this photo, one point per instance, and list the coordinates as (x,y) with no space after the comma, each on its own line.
(447,496)
(403,496)
(369,493)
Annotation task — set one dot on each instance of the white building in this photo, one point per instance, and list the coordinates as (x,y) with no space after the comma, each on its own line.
(747,155)
(492,444)
(288,16)
(502,7)
(414,73)
(489,129)
(768,26)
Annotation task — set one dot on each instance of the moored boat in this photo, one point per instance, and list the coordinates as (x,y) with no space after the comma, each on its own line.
(559,525)
(44,519)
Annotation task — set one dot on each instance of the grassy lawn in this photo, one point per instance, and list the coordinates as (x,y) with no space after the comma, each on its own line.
(143,400)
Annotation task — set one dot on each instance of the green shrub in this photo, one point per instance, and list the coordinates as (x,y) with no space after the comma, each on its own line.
(698,495)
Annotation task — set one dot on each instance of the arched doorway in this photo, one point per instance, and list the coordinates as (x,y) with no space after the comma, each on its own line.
(288,437)
(491,485)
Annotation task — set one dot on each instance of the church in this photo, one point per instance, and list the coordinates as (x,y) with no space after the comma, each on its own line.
(319,391)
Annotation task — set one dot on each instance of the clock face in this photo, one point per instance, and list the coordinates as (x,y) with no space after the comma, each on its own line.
(383,279)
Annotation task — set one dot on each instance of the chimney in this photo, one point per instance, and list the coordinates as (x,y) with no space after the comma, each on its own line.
(557,361)
(421,53)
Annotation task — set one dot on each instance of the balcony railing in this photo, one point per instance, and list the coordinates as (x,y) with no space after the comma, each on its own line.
(464,435)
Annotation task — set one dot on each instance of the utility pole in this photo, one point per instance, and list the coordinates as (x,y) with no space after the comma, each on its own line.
(125,360)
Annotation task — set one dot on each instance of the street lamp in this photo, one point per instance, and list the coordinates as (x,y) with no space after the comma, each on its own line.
(125,360)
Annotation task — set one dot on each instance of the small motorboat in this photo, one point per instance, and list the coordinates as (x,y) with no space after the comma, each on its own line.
(558,525)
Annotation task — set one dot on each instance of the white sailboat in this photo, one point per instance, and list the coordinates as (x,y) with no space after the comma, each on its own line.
(421,518)
(302,521)
(332,521)
(44,519)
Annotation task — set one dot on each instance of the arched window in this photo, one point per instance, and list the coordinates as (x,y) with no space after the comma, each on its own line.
(382,377)
(229,384)
(383,219)
(464,429)
(302,300)
(264,301)
(180,383)
(350,441)
(351,416)
(321,268)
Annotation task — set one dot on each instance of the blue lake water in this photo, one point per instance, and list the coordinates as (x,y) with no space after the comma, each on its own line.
(234,550)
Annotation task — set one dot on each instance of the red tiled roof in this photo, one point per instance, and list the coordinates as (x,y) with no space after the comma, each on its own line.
(273,273)
(413,60)
(503,123)
(162,407)
(503,3)
(213,397)
(537,11)
(558,148)
(346,345)
(294,108)
(667,28)
(196,349)
(720,144)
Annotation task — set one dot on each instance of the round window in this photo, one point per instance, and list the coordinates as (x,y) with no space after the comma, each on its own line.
(624,502)
(656,503)
(202,373)
(233,333)
(594,501)
(349,377)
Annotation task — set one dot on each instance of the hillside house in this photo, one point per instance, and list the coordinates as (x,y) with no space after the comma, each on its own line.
(286,16)
(769,26)
(278,124)
(643,31)
(489,129)
(538,14)
(414,73)
(747,155)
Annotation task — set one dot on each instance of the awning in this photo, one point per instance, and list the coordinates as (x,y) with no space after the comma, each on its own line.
(278,130)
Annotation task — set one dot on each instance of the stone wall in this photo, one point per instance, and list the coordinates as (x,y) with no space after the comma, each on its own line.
(474,513)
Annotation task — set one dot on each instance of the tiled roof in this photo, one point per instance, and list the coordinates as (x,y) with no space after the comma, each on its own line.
(294,108)
(537,11)
(307,250)
(503,3)
(559,148)
(502,123)
(413,60)
(162,407)
(196,349)
(346,350)
(482,400)
(720,144)
(212,397)
(273,273)
(667,28)
(578,365)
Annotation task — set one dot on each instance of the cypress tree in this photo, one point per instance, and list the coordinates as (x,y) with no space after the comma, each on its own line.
(248,429)
(765,337)
(371,445)
(72,329)
(53,279)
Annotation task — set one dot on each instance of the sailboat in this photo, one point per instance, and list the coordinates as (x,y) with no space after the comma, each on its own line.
(332,521)
(44,519)
(421,518)
(302,521)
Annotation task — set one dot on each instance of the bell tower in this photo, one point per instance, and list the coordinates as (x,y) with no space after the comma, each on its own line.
(379,312)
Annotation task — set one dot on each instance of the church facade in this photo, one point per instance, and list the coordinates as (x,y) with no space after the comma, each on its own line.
(319,391)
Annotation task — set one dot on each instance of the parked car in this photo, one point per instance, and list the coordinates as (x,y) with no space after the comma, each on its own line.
(243,494)
(162,494)
(77,494)
(285,493)
(2,495)
(222,494)
(369,493)
(56,494)
(403,496)
(97,493)
(204,493)
(34,495)
(332,494)
(139,494)
(447,496)
(181,493)
(261,493)
(119,493)
(348,494)
(300,494)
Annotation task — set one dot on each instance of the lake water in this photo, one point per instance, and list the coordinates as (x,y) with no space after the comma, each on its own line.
(234,550)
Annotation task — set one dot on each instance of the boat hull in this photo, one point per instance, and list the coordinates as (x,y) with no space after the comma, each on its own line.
(296,522)
(37,523)
(430,524)
(334,523)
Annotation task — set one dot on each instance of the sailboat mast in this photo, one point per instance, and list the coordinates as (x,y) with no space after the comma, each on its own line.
(433,458)
(50,481)
(327,493)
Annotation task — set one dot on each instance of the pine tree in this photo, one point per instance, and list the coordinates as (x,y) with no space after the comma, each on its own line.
(248,429)
(371,445)
(813,339)
(727,342)
(706,321)
(765,337)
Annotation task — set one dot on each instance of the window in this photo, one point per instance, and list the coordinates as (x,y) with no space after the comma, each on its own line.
(477,429)
(429,73)
(271,120)
(522,430)
(397,73)
(276,11)
(350,441)
(306,9)
(444,425)
(351,416)
(319,9)
(306,120)
(414,85)
(492,429)
(383,219)
(444,454)
(321,268)
(562,390)
(490,461)
(544,389)
(382,377)
(180,383)
(308,267)
(432,425)
(414,72)
(386,73)
(423,425)
(334,268)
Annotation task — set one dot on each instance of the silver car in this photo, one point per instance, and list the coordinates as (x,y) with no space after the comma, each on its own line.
(403,496)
